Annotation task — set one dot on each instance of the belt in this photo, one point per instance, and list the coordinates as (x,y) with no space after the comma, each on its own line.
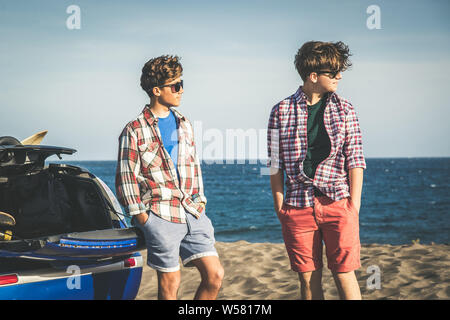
(318,193)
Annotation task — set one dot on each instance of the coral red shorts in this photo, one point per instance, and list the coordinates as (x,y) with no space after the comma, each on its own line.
(336,223)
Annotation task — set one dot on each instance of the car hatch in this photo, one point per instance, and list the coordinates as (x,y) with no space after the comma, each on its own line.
(95,244)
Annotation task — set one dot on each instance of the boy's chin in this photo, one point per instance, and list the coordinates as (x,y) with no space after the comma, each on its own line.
(332,90)
(174,103)
(177,103)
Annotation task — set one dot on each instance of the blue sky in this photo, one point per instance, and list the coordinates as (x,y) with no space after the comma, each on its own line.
(83,85)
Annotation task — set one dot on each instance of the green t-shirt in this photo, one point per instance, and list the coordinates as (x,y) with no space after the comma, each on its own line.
(319,145)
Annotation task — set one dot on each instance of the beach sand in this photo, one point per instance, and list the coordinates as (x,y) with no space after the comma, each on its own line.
(262,271)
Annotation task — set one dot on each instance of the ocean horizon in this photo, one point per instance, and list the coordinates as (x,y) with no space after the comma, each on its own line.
(404,199)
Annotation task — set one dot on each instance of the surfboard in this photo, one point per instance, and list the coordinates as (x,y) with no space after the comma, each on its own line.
(34,139)
(7,219)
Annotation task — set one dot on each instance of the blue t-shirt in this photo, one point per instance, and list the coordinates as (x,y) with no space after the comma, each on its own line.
(168,128)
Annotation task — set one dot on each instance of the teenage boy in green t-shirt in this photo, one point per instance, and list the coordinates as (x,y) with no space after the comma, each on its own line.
(315,139)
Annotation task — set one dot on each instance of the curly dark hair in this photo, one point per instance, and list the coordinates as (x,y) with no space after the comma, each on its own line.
(159,71)
(317,55)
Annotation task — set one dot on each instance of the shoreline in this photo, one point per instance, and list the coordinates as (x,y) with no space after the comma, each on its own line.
(261,271)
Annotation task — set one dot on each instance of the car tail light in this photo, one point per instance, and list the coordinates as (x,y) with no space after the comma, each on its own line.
(8,279)
(129,263)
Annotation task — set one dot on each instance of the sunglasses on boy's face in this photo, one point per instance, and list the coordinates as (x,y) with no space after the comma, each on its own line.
(330,74)
(174,87)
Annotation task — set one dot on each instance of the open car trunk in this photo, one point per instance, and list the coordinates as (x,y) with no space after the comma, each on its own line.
(61,211)
(52,202)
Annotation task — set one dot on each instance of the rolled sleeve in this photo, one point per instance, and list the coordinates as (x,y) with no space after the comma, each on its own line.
(135,208)
(273,141)
(353,146)
(128,168)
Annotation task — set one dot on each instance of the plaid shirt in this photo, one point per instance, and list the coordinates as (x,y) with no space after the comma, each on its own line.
(146,178)
(287,147)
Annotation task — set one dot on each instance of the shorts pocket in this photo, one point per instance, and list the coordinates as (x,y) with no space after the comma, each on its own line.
(147,222)
(351,205)
(283,211)
(144,226)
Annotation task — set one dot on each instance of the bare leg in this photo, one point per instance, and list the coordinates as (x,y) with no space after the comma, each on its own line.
(311,285)
(168,284)
(211,272)
(347,285)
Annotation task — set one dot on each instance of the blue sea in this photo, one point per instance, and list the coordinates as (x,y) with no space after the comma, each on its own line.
(403,199)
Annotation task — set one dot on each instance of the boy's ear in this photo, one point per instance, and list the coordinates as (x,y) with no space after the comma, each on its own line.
(313,77)
(156,91)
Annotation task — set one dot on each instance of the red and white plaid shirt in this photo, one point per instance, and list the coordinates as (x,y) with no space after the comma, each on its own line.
(287,147)
(146,178)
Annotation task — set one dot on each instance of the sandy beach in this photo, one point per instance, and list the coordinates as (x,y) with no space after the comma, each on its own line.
(261,271)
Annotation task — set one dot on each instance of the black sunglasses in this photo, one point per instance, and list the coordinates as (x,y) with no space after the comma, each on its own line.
(332,74)
(175,87)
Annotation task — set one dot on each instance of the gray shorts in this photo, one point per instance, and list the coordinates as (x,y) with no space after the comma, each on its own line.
(168,241)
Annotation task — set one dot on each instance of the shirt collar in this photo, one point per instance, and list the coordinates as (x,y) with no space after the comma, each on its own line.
(148,114)
(300,96)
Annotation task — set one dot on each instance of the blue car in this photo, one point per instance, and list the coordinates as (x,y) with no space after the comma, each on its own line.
(63,234)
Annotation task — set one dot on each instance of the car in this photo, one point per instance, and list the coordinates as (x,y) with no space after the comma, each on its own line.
(63,234)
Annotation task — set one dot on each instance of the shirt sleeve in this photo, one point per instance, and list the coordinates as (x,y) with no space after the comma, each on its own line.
(128,168)
(353,146)
(273,141)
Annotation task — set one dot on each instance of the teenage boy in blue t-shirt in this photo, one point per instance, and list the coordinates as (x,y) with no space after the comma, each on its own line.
(159,183)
